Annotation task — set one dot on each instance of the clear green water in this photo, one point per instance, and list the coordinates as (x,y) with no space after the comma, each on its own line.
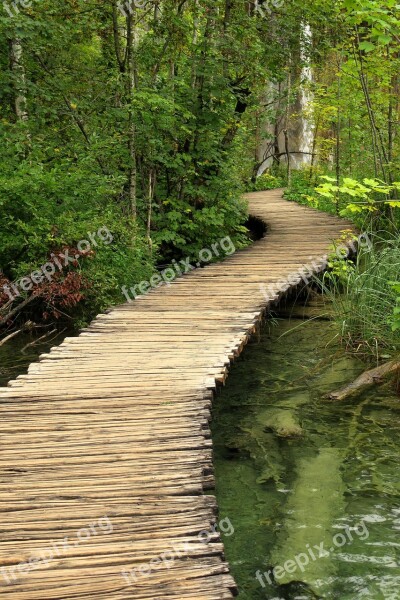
(336,473)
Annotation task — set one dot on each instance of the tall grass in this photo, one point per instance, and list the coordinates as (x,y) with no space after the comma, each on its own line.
(364,300)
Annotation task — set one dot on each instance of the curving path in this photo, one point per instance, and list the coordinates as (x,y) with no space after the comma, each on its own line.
(105,447)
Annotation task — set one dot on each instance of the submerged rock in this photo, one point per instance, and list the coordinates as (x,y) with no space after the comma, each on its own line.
(297,590)
(305,541)
(283,422)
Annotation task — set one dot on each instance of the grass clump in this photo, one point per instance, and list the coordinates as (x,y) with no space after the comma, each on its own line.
(365,297)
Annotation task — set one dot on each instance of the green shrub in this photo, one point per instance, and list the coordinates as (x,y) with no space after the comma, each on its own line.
(266,181)
(45,210)
(302,190)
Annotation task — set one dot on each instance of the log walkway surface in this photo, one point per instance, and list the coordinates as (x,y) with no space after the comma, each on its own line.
(105,443)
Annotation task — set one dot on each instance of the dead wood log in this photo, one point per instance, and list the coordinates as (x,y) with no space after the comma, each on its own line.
(365,380)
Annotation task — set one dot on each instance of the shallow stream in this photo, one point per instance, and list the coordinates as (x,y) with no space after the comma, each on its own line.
(311,487)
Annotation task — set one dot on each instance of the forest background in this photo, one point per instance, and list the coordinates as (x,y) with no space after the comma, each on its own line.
(149,119)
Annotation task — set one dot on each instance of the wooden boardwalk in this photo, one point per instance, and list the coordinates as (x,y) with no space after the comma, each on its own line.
(105,443)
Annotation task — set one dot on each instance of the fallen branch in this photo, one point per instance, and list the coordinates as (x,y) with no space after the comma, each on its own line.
(6,306)
(4,320)
(28,326)
(366,380)
(38,340)
(9,337)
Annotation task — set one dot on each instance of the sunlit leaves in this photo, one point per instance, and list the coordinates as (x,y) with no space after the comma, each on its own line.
(365,193)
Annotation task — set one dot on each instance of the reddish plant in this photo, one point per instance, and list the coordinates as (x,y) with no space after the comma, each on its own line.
(65,289)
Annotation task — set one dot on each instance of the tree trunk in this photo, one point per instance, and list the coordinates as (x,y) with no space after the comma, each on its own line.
(286,134)
(338,134)
(392,110)
(378,142)
(20,89)
(227,13)
(19,75)
(152,182)
(119,54)
(131,87)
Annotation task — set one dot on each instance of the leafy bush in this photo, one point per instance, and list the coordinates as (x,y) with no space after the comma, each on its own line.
(266,181)
(302,191)
(46,210)
(353,198)
(359,201)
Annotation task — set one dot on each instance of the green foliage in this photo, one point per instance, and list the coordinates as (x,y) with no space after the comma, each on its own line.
(379,18)
(189,231)
(38,209)
(150,124)
(142,134)
(340,268)
(266,181)
(302,191)
(43,210)
(353,197)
